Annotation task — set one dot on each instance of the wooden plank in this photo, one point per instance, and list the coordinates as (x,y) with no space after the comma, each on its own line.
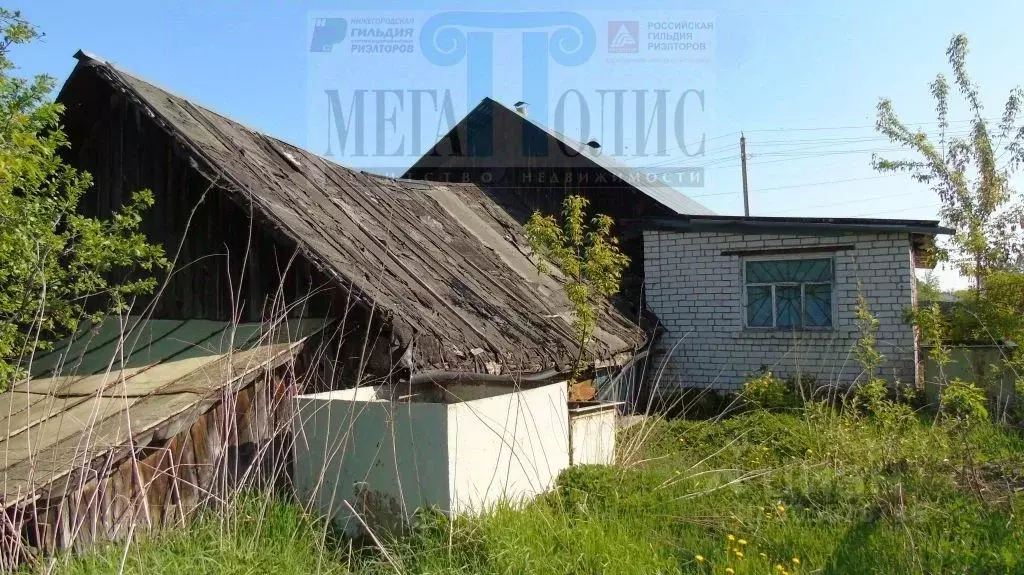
(80,406)
(58,385)
(46,405)
(21,415)
(142,383)
(60,458)
(796,250)
(73,418)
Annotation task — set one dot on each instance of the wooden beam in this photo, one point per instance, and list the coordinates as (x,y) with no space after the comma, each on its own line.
(782,251)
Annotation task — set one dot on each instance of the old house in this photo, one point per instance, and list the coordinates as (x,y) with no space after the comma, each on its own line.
(290,272)
(437,271)
(730,295)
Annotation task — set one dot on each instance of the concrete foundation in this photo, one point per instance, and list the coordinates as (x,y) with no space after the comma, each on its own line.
(380,454)
(592,432)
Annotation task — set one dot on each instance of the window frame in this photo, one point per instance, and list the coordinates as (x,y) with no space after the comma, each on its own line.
(803,301)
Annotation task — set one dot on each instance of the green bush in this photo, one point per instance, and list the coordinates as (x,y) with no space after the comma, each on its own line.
(769,392)
(963,401)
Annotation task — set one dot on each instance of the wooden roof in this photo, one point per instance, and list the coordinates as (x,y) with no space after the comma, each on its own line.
(443,262)
(123,380)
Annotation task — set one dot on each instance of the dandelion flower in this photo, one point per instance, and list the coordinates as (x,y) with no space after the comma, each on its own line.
(779,567)
(742,541)
(699,558)
(796,561)
(729,570)
(781,507)
(739,554)
(730,537)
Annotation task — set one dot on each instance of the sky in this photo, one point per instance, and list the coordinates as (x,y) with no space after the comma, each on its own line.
(800,79)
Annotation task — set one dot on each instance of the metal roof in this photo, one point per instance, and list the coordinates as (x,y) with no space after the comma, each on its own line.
(117,381)
(755,224)
(652,187)
(449,268)
(642,181)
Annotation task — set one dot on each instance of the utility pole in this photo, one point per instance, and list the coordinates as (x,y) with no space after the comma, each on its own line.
(743,162)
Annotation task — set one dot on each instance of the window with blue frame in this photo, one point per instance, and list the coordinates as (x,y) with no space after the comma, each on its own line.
(788,293)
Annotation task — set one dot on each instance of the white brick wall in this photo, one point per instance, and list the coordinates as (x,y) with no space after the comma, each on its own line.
(697,294)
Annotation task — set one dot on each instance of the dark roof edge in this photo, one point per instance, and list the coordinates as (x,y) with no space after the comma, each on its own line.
(751,224)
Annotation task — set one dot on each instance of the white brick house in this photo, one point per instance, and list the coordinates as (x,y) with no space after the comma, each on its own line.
(730,294)
(734,295)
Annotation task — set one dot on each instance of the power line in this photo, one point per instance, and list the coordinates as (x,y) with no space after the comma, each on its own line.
(800,145)
(871,126)
(847,203)
(928,206)
(807,185)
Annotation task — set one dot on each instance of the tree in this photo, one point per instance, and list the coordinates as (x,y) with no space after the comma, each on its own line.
(588,256)
(56,265)
(978,201)
(928,288)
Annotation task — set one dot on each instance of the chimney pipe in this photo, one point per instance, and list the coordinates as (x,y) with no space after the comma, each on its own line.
(521,107)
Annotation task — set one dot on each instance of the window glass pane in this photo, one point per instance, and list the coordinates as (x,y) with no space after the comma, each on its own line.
(759,306)
(813,270)
(779,271)
(818,305)
(763,272)
(787,306)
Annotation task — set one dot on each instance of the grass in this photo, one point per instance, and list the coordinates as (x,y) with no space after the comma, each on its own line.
(840,493)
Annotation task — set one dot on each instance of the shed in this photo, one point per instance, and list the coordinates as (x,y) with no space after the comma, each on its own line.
(138,422)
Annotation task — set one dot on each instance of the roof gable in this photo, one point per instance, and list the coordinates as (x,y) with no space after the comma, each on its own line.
(645,183)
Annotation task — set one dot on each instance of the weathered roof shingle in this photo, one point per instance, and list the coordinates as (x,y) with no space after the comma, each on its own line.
(450,268)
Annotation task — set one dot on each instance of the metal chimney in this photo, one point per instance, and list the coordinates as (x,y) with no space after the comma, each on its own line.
(521,107)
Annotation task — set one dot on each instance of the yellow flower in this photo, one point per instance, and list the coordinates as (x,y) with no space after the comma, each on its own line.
(742,541)
(779,567)
(730,537)
(729,570)
(739,554)
(781,508)
(699,558)
(796,561)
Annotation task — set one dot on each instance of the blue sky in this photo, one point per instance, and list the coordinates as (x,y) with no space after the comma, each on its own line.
(801,79)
